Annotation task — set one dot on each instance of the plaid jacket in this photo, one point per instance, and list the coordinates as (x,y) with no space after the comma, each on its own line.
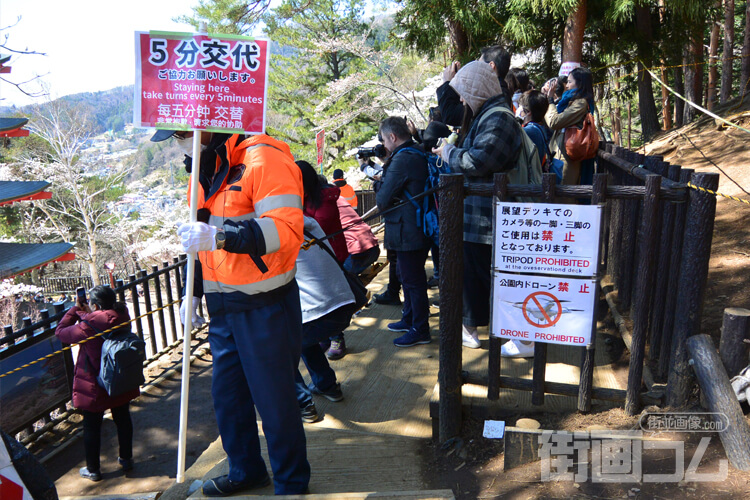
(492,145)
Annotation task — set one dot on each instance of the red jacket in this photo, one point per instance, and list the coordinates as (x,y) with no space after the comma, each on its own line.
(327,215)
(87,393)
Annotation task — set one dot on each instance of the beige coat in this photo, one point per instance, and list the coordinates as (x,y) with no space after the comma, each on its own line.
(557,122)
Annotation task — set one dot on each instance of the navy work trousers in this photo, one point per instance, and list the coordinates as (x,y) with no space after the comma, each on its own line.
(414,280)
(255,354)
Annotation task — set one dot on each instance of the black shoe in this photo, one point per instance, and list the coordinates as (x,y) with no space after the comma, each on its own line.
(433,282)
(387,299)
(333,394)
(222,486)
(91,476)
(310,414)
(126,464)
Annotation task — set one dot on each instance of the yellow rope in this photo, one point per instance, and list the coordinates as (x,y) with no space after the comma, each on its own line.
(87,339)
(741,200)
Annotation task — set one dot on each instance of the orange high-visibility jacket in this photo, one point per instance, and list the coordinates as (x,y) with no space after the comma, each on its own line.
(347,192)
(262,183)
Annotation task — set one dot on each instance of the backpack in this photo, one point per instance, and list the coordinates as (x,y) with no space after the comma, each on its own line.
(528,169)
(550,164)
(427,207)
(123,354)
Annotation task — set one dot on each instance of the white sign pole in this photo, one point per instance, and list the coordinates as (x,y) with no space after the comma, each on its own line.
(188,299)
(187,327)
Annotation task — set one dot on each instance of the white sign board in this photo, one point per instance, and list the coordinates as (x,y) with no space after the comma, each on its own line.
(545,238)
(11,486)
(543,309)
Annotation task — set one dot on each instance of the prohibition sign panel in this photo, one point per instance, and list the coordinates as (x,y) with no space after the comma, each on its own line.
(548,314)
(552,309)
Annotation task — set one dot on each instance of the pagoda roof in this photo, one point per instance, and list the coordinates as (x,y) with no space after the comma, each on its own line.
(19,258)
(13,191)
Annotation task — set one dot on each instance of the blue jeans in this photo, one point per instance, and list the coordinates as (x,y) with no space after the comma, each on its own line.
(358,262)
(416,311)
(321,373)
(255,354)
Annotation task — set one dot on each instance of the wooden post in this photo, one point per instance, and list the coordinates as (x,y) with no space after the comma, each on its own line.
(170,299)
(614,254)
(136,307)
(149,309)
(672,172)
(644,284)
(636,159)
(732,347)
(720,398)
(159,305)
(696,251)
(27,326)
(586,385)
(120,290)
(495,360)
(451,200)
(628,235)
(678,232)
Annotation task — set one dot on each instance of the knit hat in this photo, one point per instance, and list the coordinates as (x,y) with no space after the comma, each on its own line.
(338,174)
(476,83)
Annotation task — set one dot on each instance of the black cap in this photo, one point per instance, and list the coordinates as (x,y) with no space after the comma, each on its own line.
(162,135)
(338,174)
(433,132)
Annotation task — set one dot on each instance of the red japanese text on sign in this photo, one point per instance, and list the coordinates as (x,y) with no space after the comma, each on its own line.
(201,82)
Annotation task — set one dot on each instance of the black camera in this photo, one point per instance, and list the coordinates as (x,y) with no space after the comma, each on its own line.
(378,151)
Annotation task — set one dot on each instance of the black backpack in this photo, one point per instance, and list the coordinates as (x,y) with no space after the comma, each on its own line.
(123,354)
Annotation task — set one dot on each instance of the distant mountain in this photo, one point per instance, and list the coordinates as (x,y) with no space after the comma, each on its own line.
(109,109)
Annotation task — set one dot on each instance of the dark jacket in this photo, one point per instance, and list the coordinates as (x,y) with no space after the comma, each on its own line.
(404,170)
(492,145)
(327,216)
(87,393)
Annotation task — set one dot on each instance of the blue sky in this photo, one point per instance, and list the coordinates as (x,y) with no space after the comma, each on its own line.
(89,44)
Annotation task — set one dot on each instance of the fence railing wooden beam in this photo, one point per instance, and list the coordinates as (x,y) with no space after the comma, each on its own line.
(622,192)
(638,171)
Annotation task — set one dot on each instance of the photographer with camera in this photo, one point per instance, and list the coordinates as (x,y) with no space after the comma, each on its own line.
(373,171)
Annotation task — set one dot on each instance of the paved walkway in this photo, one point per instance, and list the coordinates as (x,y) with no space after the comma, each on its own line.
(373,440)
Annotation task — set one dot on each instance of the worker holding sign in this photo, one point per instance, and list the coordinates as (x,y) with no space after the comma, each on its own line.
(247,236)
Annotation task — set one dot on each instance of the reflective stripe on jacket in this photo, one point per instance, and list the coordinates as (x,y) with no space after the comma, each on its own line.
(259,182)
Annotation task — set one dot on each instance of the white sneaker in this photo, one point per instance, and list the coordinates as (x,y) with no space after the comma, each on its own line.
(517,349)
(470,337)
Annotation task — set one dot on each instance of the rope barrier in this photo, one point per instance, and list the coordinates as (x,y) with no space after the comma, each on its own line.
(715,165)
(67,348)
(741,200)
(700,108)
(656,67)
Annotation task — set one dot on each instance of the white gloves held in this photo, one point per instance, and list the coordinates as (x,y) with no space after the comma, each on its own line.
(197,237)
(195,320)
